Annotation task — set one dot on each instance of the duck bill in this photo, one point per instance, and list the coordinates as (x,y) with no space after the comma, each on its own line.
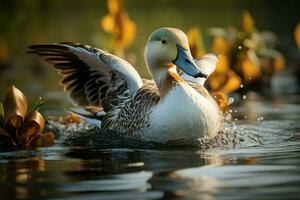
(186,62)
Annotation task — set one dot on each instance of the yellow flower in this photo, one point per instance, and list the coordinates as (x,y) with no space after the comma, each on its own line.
(248,24)
(118,24)
(19,128)
(220,45)
(196,42)
(247,65)
(297,35)
(272,65)
(224,79)
(224,82)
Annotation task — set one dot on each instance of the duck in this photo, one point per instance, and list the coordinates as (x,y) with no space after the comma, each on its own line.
(173,106)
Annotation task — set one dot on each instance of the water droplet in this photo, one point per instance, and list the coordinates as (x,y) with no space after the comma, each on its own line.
(230,101)
(245,117)
(230,111)
(241,86)
(235,119)
(228,117)
(235,111)
(261,118)
(240,47)
(244,96)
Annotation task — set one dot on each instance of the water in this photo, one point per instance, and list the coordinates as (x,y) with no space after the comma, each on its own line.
(265,163)
(251,170)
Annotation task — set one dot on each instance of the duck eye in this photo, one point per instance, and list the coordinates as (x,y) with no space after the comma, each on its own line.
(164,41)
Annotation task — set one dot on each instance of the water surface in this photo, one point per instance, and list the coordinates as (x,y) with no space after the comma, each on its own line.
(268,169)
(251,170)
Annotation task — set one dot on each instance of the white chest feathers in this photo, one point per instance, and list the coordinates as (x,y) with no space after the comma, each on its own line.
(182,114)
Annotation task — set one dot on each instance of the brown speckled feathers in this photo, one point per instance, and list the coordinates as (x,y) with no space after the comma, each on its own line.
(89,78)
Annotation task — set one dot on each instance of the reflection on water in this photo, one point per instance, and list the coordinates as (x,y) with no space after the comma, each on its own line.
(269,171)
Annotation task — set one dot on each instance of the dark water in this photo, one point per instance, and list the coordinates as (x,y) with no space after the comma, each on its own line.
(270,170)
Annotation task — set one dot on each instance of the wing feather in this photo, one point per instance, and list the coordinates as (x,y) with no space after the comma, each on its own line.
(92,76)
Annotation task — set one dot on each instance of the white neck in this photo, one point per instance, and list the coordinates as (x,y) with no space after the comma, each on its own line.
(165,77)
(160,74)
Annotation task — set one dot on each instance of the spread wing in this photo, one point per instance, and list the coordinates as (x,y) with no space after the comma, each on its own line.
(92,76)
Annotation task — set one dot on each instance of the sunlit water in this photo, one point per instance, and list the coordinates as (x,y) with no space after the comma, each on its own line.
(250,170)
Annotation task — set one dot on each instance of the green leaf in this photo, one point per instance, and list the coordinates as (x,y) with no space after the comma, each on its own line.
(38,104)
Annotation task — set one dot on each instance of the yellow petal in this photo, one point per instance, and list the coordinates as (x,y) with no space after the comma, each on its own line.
(223,64)
(14,124)
(108,23)
(215,81)
(279,63)
(250,70)
(248,24)
(36,140)
(232,83)
(36,117)
(297,35)
(34,124)
(118,24)
(128,33)
(220,45)
(224,82)
(114,6)
(15,104)
(196,42)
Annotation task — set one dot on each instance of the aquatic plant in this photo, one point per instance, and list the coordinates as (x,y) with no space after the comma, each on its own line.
(297,41)
(20,128)
(297,35)
(120,27)
(197,49)
(250,53)
(196,42)
(223,80)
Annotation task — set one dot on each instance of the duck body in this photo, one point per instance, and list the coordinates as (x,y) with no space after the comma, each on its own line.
(183,114)
(188,112)
(165,109)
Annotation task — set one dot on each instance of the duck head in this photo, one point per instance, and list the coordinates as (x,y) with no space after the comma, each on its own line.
(167,48)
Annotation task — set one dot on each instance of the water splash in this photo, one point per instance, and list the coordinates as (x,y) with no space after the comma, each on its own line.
(83,134)
(261,118)
(230,100)
(227,117)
